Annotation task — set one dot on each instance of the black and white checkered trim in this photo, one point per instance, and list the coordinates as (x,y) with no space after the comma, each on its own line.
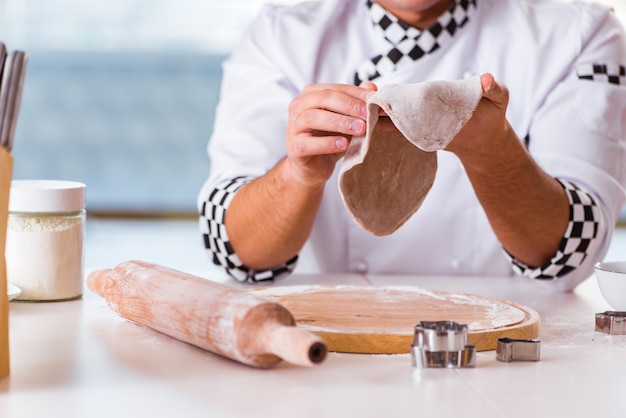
(581,231)
(608,73)
(216,239)
(407,42)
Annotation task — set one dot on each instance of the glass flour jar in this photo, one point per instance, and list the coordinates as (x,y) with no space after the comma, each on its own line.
(45,235)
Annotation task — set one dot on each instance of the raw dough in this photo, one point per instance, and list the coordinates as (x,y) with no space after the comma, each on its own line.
(386,174)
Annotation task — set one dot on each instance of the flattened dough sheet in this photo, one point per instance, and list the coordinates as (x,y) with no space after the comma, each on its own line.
(387,173)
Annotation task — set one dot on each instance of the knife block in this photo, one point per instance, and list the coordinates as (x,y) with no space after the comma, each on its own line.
(6,173)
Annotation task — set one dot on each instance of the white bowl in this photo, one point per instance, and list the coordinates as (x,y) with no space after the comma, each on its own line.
(612,281)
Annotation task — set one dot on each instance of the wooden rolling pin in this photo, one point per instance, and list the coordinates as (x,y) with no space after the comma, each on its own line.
(209,315)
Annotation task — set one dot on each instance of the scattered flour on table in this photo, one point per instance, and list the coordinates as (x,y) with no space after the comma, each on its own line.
(497,314)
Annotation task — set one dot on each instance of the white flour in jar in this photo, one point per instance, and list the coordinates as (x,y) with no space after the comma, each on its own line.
(44,256)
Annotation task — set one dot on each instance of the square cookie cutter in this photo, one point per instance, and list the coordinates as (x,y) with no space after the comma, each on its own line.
(611,322)
(509,350)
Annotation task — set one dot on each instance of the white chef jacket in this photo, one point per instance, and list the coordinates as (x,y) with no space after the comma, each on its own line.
(576,128)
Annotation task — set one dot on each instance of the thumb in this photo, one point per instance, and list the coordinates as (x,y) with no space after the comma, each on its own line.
(495,92)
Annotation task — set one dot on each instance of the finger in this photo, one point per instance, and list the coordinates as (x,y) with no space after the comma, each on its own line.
(369,85)
(358,91)
(348,100)
(321,143)
(320,120)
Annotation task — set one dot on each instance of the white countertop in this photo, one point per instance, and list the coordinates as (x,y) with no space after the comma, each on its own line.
(80,359)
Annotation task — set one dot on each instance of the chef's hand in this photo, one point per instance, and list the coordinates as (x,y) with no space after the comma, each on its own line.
(322,120)
(527,208)
(476,143)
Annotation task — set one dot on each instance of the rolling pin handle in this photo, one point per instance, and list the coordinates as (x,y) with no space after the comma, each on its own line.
(317,352)
(97,280)
(295,345)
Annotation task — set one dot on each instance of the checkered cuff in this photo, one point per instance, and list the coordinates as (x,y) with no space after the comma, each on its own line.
(581,231)
(216,239)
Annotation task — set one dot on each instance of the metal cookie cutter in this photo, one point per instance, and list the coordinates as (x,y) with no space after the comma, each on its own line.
(442,344)
(611,322)
(509,350)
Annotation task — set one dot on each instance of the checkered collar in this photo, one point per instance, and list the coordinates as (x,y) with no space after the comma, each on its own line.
(396,31)
(407,41)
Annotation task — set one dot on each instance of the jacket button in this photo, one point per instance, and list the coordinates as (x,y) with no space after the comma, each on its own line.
(468,74)
(360,267)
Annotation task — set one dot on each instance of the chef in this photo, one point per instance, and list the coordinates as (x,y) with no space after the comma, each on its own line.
(531,186)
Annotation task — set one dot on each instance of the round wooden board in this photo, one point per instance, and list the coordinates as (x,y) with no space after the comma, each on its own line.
(381,320)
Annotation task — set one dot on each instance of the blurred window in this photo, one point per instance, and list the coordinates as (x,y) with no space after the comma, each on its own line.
(147,25)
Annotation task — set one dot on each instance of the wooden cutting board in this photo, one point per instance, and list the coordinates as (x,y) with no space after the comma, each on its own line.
(381,320)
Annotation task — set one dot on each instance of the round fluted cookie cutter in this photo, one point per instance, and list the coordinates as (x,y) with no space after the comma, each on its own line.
(442,344)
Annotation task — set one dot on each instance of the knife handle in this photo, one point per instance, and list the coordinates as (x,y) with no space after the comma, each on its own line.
(13,75)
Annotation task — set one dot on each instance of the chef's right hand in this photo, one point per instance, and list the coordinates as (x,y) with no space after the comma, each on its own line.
(322,121)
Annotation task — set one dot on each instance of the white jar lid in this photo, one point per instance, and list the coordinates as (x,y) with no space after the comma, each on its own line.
(46,196)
